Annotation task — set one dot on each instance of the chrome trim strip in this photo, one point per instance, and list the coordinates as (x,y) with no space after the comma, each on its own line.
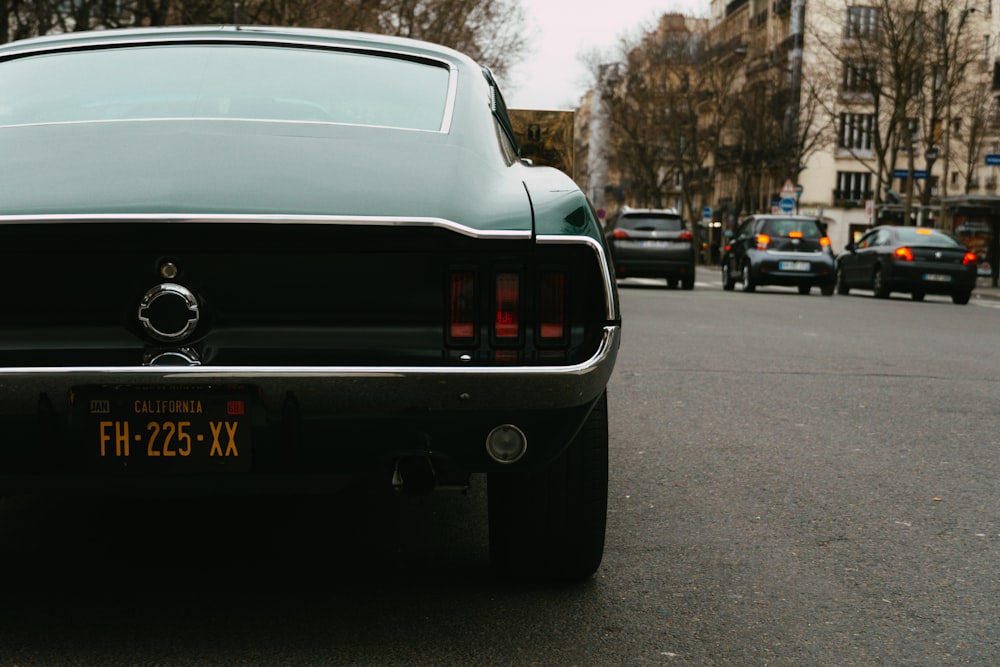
(459,388)
(602,259)
(609,341)
(270,219)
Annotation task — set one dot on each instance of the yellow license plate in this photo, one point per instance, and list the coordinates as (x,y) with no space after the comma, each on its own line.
(163,430)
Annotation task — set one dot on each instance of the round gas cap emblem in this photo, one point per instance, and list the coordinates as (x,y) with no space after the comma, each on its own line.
(168,312)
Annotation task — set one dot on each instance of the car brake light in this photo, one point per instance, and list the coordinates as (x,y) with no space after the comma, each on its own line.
(728,247)
(462,307)
(824,241)
(904,254)
(794,235)
(684,236)
(506,322)
(552,305)
(620,234)
(763,240)
(970,258)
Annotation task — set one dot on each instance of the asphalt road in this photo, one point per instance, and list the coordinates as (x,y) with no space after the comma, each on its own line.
(795,481)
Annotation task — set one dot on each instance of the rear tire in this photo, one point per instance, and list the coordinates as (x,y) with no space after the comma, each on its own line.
(549,524)
(827,289)
(917,296)
(842,287)
(728,281)
(804,289)
(878,284)
(748,283)
(687,282)
(961,298)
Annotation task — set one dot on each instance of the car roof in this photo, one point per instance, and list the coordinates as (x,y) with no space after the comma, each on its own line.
(263,34)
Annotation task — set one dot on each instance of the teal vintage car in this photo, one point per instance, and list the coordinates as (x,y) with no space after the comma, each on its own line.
(242,259)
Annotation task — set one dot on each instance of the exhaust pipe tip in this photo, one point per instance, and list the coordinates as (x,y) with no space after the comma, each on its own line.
(506,443)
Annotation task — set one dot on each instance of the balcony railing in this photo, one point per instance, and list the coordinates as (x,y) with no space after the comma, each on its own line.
(851,198)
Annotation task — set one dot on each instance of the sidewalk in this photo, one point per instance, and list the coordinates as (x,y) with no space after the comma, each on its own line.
(985,289)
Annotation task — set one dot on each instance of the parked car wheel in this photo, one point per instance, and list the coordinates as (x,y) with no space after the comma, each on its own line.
(687,282)
(827,289)
(672,283)
(879,285)
(805,289)
(961,298)
(842,287)
(748,284)
(917,295)
(728,281)
(549,524)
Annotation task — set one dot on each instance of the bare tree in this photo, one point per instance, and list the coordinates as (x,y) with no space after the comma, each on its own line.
(491,31)
(902,65)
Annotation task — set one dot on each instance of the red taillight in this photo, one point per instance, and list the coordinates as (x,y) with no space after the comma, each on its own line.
(970,258)
(620,234)
(904,254)
(462,306)
(552,306)
(763,240)
(684,236)
(728,247)
(506,323)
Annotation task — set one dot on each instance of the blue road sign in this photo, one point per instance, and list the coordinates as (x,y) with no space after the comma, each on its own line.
(993,159)
(786,205)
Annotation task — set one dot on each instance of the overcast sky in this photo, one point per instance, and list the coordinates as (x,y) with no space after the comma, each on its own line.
(551,76)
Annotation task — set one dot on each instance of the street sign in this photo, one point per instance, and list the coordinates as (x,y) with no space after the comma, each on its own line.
(788,189)
(993,159)
(706,213)
(786,205)
(917,173)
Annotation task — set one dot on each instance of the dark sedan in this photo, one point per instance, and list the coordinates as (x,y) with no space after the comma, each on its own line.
(779,250)
(917,260)
(653,243)
(255,259)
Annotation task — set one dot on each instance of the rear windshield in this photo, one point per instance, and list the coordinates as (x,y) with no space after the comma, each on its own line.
(926,237)
(234,81)
(808,228)
(652,222)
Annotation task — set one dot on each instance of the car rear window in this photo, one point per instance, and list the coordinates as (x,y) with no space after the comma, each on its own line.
(231,81)
(652,223)
(808,228)
(926,237)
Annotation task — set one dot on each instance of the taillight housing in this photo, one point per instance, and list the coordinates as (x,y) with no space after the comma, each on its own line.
(552,306)
(507,307)
(508,313)
(969,258)
(619,234)
(904,254)
(824,241)
(462,307)
(763,240)
(684,236)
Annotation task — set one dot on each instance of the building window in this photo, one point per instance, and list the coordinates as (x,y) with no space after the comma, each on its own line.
(856,130)
(852,186)
(859,77)
(862,23)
